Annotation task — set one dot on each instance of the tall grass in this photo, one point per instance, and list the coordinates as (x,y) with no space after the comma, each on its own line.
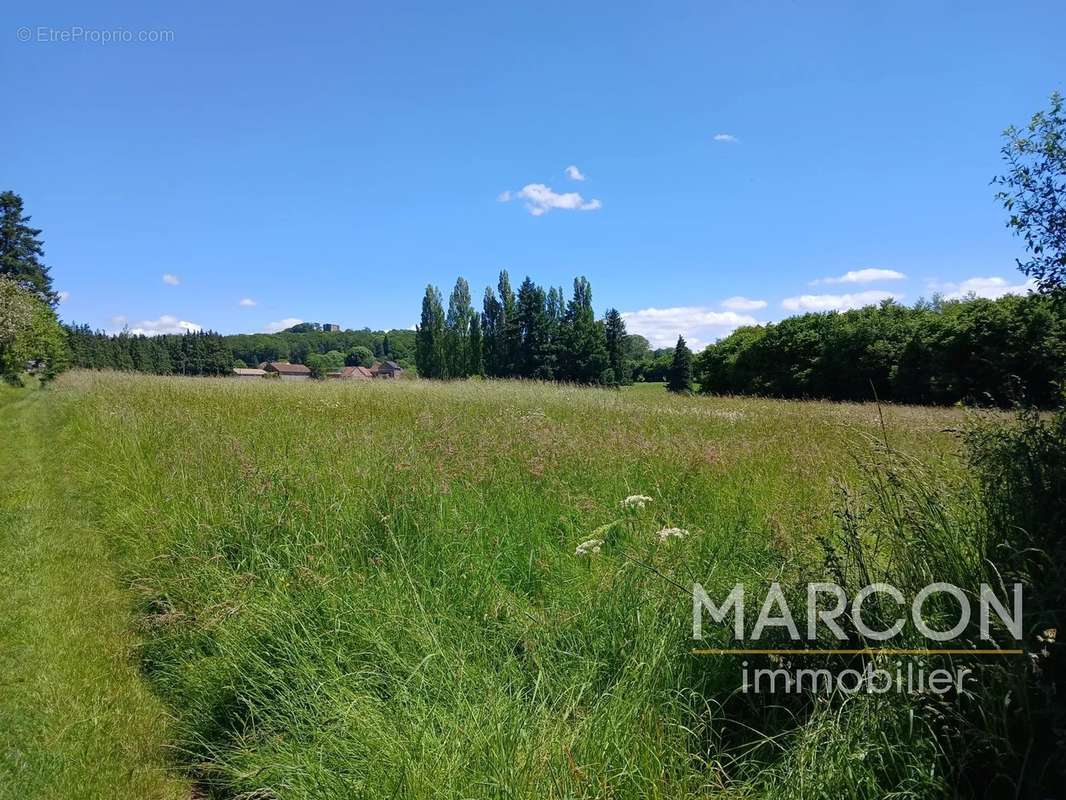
(76,720)
(372,590)
(1000,523)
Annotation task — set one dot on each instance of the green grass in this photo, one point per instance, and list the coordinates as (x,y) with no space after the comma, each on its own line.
(76,720)
(371,590)
(648,389)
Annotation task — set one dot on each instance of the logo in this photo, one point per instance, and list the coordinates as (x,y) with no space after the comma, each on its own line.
(872,624)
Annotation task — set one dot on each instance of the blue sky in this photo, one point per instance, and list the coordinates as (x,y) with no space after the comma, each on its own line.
(325,161)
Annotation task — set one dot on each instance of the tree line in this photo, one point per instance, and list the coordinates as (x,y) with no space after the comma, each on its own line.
(532,333)
(193,353)
(210,353)
(302,343)
(938,352)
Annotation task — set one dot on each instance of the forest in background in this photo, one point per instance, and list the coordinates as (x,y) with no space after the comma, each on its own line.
(974,350)
(209,353)
(978,351)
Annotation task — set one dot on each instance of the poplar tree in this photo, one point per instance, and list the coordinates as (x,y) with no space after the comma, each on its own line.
(584,347)
(476,364)
(457,331)
(615,333)
(492,334)
(510,335)
(429,336)
(555,309)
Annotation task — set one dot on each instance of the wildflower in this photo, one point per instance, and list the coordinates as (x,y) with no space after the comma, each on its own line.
(635,502)
(589,548)
(672,533)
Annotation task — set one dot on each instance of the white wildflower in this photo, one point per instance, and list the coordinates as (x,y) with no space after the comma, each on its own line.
(672,533)
(635,502)
(589,548)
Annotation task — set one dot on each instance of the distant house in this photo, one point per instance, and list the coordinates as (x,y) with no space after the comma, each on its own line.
(351,374)
(243,373)
(330,326)
(286,371)
(389,369)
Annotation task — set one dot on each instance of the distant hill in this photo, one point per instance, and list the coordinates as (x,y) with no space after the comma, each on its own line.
(298,342)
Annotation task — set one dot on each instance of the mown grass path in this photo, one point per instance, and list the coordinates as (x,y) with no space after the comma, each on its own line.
(76,720)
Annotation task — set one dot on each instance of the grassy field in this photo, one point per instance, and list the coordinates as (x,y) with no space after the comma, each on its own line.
(76,720)
(372,590)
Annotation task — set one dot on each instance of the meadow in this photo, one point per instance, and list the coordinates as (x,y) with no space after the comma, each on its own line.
(335,589)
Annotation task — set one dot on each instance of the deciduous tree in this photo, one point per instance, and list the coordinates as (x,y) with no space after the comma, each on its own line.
(457,331)
(31,338)
(476,365)
(615,333)
(510,335)
(1034,193)
(493,344)
(584,346)
(429,336)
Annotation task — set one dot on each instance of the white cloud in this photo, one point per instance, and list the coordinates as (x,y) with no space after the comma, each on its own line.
(699,325)
(868,275)
(837,302)
(541,199)
(574,174)
(63,296)
(171,280)
(743,304)
(167,323)
(247,302)
(726,137)
(983,287)
(282,324)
